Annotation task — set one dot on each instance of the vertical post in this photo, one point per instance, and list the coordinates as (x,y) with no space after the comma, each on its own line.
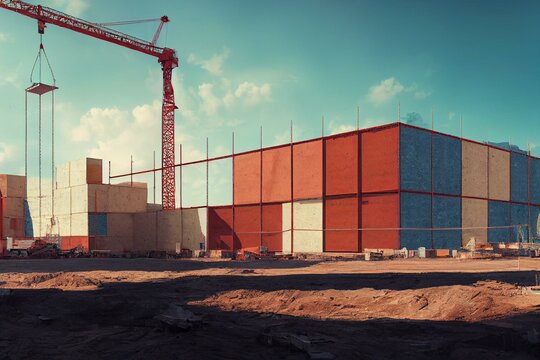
(461,126)
(399,111)
(109,172)
(26,143)
(180,177)
(322,126)
(432,178)
(323,183)
(529,232)
(232,206)
(292,190)
(207,174)
(358,118)
(131,175)
(359,190)
(154,173)
(261,187)
(53,177)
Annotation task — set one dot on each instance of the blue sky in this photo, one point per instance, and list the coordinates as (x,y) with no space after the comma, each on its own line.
(250,63)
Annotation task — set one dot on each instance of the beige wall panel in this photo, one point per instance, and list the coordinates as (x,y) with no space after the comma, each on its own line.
(499,174)
(474,214)
(62,176)
(62,201)
(308,215)
(12,185)
(144,231)
(120,225)
(80,199)
(127,199)
(194,224)
(98,198)
(79,224)
(169,230)
(286,227)
(474,169)
(116,244)
(63,225)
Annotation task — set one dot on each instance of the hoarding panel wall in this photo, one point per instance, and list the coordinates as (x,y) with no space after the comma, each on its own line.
(446,214)
(247,226)
(341,213)
(380,160)
(220,221)
(498,215)
(446,165)
(415,214)
(519,216)
(308,226)
(272,222)
(519,175)
(474,169)
(380,211)
(277,174)
(342,164)
(307,170)
(415,159)
(535,180)
(247,177)
(474,214)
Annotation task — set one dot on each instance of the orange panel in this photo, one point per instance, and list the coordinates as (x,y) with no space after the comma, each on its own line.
(70,242)
(380,211)
(247,226)
(247,178)
(380,160)
(307,170)
(341,213)
(342,164)
(272,225)
(277,174)
(220,221)
(3,245)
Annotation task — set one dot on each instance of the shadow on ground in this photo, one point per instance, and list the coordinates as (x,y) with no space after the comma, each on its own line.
(116,322)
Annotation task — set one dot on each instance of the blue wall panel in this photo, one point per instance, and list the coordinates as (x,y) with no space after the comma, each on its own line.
(519,177)
(97,224)
(498,215)
(28,224)
(446,165)
(415,213)
(415,159)
(519,216)
(535,181)
(535,213)
(446,214)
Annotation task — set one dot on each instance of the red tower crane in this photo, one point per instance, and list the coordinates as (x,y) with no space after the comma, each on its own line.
(166,57)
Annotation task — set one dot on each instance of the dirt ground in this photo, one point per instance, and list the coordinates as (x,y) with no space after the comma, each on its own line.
(407,309)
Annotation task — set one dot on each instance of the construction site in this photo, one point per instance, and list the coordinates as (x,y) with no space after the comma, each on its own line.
(382,242)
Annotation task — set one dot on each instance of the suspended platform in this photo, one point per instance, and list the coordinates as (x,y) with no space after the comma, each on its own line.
(40,89)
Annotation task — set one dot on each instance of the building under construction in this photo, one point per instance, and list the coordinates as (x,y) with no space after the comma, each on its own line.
(385,187)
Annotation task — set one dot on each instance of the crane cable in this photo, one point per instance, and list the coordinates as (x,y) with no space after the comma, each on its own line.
(39,59)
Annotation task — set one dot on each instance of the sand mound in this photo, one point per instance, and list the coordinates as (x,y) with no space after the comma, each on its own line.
(60,280)
(480,301)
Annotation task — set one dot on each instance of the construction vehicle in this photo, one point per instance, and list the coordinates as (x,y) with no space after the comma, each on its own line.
(46,247)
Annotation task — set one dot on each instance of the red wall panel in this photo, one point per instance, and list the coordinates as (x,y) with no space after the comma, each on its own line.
(277,174)
(247,226)
(272,222)
(342,164)
(380,211)
(247,178)
(3,246)
(380,160)
(341,213)
(70,242)
(220,220)
(307,170)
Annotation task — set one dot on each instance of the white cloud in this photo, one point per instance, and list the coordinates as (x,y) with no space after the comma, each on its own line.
(210,102)
(71,7)
(3,37)
(213,65)
(384,91)
(340,128)
(6,152)
(253,94)
(421,94)
(99,122)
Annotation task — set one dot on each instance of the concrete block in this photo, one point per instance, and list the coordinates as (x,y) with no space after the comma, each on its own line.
(80,200)
(79,224)
(120,225)
(308,215)
(145,231)
(12,186)
(499,174)
(63,176)
(474,213)
(194,228)
(474,169)
(62,201)
(169,230)
(86,171)
(116,244)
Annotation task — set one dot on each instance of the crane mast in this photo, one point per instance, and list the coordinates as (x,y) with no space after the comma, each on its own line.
(166,57)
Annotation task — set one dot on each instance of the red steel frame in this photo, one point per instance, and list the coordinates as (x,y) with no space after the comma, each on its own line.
(166,57)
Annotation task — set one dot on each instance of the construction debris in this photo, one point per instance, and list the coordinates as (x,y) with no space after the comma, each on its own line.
(176,318)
